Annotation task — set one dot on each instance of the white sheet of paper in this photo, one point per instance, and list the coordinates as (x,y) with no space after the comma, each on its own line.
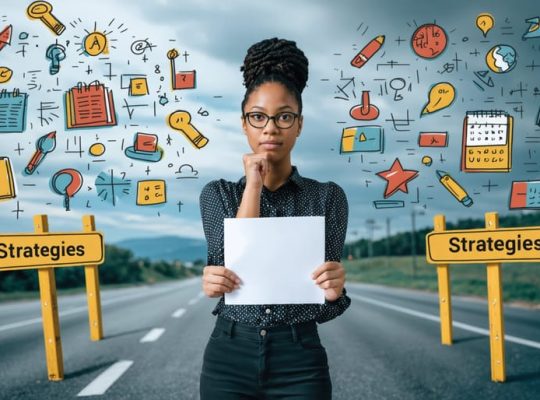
(274,258)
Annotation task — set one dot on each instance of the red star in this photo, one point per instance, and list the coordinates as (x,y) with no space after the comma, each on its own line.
(397,178)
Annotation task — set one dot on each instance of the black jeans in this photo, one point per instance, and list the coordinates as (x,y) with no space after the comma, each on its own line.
(243,362)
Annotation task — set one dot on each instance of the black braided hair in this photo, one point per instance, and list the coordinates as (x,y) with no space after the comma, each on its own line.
(275,60)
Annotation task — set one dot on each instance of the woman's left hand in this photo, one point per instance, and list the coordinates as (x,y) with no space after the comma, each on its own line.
(331,277)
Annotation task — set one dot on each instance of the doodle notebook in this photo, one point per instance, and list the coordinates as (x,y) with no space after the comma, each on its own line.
(487,142)
(12,111)
(89,106)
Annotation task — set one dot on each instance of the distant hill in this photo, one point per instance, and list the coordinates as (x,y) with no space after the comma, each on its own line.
(168,248)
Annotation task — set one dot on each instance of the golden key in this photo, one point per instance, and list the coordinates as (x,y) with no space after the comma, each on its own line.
(42,10)
(181,121)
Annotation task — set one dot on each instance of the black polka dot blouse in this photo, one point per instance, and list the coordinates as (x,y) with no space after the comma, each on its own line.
(298,197)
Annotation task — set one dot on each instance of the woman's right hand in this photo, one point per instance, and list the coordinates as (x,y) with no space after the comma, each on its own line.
(256,168)
(218,280)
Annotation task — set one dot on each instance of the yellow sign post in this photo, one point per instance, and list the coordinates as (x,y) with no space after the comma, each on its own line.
(492,245)
(44,251)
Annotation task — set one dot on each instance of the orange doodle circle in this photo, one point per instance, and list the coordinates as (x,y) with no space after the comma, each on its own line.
(429,41)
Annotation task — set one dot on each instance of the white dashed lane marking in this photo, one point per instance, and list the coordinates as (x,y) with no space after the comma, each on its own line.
(105,380)
(153,335)
(178,313)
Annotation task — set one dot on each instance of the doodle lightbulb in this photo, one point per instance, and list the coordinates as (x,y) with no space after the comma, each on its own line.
(95,44)
(440,96)
(55,53)
(485,22)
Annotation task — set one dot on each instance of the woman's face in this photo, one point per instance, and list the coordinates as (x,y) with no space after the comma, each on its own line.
(272,98)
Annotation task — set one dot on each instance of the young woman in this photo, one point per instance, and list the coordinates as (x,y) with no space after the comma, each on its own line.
(271,351)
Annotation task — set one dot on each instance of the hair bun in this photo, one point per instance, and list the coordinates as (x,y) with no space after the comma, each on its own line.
(276,56)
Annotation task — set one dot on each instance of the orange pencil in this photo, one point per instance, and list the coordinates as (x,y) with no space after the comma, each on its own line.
(367,52)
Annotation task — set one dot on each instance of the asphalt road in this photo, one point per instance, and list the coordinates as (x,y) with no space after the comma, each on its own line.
(386,346)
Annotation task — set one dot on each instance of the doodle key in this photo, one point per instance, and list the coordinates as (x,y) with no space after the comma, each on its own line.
(181,121)
(42,10)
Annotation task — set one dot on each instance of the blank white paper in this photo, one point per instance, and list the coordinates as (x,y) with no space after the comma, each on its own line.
(274,258)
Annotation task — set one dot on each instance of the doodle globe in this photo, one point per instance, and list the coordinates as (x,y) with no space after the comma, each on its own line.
(501,58)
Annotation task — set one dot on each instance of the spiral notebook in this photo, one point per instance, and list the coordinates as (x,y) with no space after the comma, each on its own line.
(89,105)
(12,111)
(487,142)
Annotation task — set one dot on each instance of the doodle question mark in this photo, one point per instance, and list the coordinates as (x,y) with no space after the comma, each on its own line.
(67,182)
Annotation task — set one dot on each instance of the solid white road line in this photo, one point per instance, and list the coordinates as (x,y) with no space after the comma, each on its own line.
(430,317)
(153,335)
(106,379)
(178,313)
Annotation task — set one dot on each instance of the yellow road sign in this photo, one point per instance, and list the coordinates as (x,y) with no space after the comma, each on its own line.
(481,245)
(30,250)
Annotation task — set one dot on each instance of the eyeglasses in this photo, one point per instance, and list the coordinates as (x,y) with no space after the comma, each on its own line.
(282,120)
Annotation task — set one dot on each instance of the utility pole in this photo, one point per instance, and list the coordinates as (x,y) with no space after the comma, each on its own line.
(371,226)
(388,241)
(414,213)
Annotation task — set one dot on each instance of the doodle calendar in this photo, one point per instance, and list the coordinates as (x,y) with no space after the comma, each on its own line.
(487,142)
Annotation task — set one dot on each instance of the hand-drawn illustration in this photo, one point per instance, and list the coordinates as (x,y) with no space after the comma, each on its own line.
(384,204)
(97,149)
(397,178)
(145,148)
(454,188)
(427,161)
(5,36)
(485,22)
(5,74)
(485,80)
(42,10)
(55,53)
(365,111)
(89,105)
(369,138)
(151,192)
(487,142)
(8,186)
(12,111)
(137,84)
(368,51)
(181,121)
(441,96)
(111,187)
(96,43)
(525,195)
(534,28)
(192,174)
(429,41)
(433,139)
(45,145)
(501,58)
(67,182)
(183,79)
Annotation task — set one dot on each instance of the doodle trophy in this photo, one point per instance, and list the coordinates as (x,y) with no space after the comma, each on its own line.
(55,53)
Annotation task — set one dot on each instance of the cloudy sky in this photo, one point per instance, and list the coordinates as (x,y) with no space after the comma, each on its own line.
(212,38)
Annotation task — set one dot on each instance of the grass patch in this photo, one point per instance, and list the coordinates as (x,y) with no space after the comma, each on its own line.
(521,282)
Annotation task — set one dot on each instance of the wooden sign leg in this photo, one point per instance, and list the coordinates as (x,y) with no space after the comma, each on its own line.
(445,295)
(91,274)
(49,312)
(495,306)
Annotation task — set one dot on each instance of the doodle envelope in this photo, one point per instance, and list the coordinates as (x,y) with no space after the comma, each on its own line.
(274,258)
(368,138)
